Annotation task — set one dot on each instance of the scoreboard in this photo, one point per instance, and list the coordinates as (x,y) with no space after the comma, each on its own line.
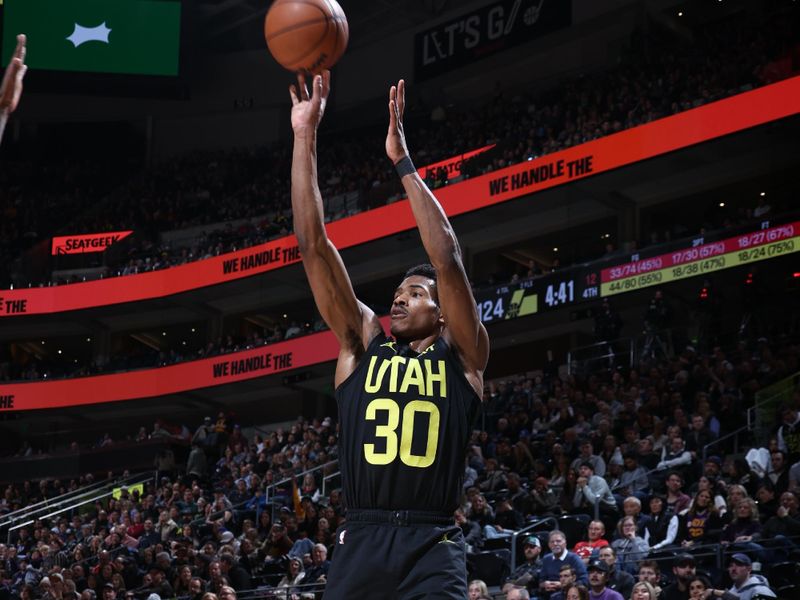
(657,266)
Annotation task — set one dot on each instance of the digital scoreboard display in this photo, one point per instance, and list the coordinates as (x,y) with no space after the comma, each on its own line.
(682,260)
(137,37)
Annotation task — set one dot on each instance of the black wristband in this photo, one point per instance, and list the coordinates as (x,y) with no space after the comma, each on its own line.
(404,167)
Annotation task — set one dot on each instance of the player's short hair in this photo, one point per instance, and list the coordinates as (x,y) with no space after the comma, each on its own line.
(423,270)
(428,271)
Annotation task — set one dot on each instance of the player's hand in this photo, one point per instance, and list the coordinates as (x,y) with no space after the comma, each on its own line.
(396,147)
(307,109)
(11,88)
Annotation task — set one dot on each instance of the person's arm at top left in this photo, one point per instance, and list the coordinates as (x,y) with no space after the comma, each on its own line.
(464,329)
(11,88)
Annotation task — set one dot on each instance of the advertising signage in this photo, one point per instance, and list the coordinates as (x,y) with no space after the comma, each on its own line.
(681,260)
(580,285)
(682,130)
(89,242)
(182,377)
(485,31)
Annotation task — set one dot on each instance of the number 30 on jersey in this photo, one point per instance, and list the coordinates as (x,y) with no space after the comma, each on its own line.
(389,432)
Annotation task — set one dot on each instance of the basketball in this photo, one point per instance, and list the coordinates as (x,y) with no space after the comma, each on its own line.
(306,35)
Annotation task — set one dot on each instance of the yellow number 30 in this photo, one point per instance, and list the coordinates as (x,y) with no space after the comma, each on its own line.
(389,432)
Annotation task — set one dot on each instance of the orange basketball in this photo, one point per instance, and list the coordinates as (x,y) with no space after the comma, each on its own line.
(306,35)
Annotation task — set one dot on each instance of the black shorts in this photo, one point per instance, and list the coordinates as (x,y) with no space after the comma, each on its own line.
(403,555)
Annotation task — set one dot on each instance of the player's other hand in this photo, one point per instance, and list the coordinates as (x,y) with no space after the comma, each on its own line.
(308,108)
(11,88)
(396,147)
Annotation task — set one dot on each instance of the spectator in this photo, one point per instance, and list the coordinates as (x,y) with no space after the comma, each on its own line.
(598,576)
(527,574)
(318,571)
(786,522)
(593,494)
(549,580)
(587,455)
(644,590)
(746,585)
(701,524)
(477,590)
(650,572)
(683,569)
(789,433)
(629,547)
(745,528)
(676,501)
(576,592)
(618,580)
(566,577)
(595,532)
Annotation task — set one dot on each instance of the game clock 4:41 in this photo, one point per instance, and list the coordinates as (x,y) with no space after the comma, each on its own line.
(560,293)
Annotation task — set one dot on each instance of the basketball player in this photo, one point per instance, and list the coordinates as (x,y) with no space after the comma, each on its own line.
(11,88)
(406,402)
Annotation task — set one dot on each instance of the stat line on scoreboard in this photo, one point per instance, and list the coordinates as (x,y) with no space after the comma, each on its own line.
(710,250)
(703,266)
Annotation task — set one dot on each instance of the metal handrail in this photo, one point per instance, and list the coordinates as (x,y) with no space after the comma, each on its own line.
(238,506)
(50,502)
(326,479)
(294,477)
(32,511)
(107,492)
(516,534)
(735,432)
(631,351)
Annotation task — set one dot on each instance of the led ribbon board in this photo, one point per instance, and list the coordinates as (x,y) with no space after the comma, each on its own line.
(675,132)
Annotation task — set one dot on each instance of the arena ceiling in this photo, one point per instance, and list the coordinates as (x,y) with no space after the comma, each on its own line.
(236,25)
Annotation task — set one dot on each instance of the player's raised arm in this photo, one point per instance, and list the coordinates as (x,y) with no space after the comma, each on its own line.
(11,88)
(463,328)
(353,323)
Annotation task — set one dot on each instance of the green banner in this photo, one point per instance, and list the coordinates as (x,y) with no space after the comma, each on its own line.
(102,36)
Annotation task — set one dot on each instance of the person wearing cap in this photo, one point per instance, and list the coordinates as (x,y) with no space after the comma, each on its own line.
(745,585)
(527,574)
(683,569)
(592,494)
(587,455)
(108,591)
(598,578)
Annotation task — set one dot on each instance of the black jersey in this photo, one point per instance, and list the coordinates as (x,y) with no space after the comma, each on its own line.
(405,425)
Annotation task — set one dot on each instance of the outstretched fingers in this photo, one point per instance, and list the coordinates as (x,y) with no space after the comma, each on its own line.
(401,98)
(20,50)
(325,84)
(393,107)
(301,85)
